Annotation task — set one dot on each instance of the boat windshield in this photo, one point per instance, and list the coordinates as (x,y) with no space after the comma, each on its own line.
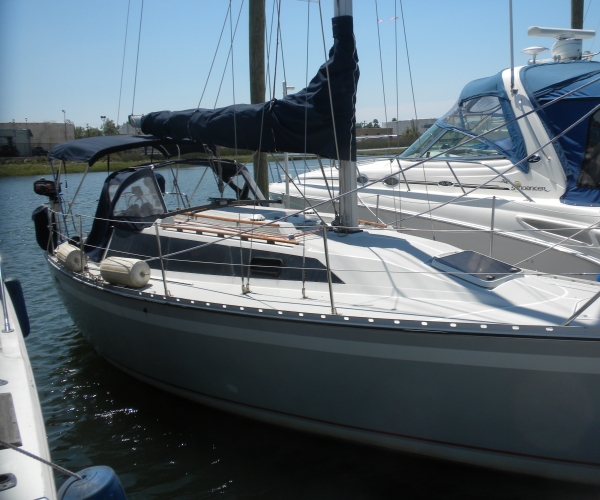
(139,199)
(475,116)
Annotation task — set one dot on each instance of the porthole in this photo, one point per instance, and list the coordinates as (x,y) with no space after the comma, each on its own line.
(391,181)
(362,179)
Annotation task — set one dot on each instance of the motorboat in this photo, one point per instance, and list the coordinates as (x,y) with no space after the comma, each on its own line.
(510,171)
(342,328)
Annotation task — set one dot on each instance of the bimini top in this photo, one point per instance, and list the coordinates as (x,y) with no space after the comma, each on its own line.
(91,149)
(575,86)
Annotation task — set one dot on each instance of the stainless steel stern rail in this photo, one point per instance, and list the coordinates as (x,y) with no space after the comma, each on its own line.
(7,327)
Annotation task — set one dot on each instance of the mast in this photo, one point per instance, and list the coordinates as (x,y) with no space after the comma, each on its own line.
(257,22)
(349,202)
(577,14)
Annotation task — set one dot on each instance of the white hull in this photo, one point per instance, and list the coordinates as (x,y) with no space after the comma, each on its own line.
(464,227)
(33,478)
(485,397)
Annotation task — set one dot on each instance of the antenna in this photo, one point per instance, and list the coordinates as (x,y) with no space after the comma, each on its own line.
(512,57)
(568,43)
(534,51)
(560,33)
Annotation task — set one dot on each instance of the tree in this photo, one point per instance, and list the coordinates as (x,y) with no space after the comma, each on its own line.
(110,127)
(376,123)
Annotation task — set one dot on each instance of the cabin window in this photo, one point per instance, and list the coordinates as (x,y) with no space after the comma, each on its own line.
(391,181)
(265,267)
(589,177)
(451,138)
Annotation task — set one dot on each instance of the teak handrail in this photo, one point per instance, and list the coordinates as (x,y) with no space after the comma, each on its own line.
(229,219)
(369,223)
(226,232)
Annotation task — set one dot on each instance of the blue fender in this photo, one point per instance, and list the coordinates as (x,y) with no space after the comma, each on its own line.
(97,483)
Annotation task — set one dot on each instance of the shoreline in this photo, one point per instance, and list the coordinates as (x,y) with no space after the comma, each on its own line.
(19,167)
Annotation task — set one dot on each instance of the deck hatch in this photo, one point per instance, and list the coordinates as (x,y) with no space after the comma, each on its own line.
(476,268)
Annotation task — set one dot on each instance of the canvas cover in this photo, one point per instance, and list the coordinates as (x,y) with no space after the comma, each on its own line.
(547,82)
(299,123)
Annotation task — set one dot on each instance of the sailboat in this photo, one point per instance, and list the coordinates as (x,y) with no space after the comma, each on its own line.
(510,171)
(347,330)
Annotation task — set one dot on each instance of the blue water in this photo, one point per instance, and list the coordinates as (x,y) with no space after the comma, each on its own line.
(166,447)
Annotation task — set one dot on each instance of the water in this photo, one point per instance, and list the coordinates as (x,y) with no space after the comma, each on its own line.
(166,447)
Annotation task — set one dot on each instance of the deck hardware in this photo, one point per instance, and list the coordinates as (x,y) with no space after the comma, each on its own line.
(454,174)
(7,327)
(333,311)
(581,309)
(492,225)
(162,266)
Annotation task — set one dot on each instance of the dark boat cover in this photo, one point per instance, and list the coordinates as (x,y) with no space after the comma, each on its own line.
(300,123)
(546,82)
(91,149)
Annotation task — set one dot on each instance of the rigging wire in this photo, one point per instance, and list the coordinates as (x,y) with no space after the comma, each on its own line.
(305,149)
(337,148)
(137,59)
(412,88)
(277,36)
(416,127)
(397,101)
(232,35)
(228,55)
(123,63)
(227,14)
(268,42)
(381,65)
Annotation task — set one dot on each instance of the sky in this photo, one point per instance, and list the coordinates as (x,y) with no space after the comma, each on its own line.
(70,54)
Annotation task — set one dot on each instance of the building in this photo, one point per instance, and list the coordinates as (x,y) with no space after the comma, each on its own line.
(368,132)
(401,126)
(20,138)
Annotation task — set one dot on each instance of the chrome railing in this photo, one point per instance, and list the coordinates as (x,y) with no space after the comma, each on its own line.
(7,327)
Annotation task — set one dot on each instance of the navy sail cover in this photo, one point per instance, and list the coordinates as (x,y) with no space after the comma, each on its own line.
(301,123)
